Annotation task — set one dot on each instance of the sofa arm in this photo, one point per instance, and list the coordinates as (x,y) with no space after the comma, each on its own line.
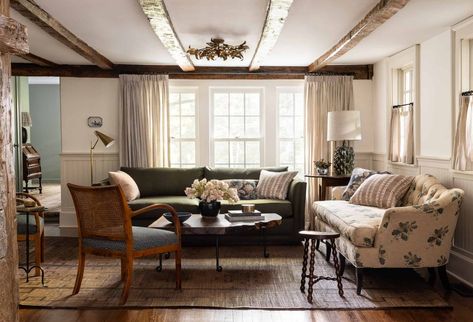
(419,235)
(337,192)
(296,195)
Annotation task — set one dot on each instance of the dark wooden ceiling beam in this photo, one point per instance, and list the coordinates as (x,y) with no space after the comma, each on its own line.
(36,59)
(384,10)
(54,28)
(175,72)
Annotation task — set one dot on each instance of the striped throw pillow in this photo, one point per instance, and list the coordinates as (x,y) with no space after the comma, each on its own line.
(382,190)
(274,185)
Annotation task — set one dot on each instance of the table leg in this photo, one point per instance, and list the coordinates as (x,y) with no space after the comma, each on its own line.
(29,268)
(159,268)
(337,268)
(263,233)
(304,264)
(324,190)
(217,255)
(310,290)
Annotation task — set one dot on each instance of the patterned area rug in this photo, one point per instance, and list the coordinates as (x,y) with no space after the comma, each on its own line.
(247,281)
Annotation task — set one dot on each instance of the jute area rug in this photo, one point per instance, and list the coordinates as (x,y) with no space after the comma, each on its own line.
(247,281)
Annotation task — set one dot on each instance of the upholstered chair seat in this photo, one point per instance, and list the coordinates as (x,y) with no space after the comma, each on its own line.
(21,223)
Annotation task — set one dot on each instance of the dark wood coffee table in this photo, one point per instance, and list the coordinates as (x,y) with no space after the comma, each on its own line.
(219,226)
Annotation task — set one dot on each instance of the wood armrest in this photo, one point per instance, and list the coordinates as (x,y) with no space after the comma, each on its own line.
(175,218)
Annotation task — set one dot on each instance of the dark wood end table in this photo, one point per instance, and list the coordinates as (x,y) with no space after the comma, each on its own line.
(329,181)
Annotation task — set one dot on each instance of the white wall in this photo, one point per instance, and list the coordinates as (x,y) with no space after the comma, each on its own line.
(379,109)
(436,96)
(84,97)
(362,92)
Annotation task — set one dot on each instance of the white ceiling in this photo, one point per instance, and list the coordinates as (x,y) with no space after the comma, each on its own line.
(119,30)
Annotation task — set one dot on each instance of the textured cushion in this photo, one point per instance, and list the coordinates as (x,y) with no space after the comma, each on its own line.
(382,190)
(358,176)
(424,188)
(238,173)
(280,207)
(143,238)
(163,181)
(358,224)
(128,185)
(21,223)
(180,203)
(273,185)
(246,188)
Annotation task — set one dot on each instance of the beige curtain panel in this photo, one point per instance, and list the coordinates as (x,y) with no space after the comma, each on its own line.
(401,143)
(463,148)
(323,94)
(144,121)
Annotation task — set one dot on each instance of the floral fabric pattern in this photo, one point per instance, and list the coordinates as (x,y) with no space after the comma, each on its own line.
(246,189)
(417,234)
(358,175)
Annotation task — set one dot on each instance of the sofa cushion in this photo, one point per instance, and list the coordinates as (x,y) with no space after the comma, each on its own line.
(246,188)
(382,190)
(358,224)
(163,181)
(128,185)
(238,173)
(280,207)
(274,185)
(358,175)
(180,203)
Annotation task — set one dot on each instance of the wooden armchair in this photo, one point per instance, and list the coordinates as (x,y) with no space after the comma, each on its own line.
(36,229)
(104,221)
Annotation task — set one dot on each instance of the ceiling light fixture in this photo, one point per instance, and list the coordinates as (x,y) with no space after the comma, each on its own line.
(159,19)
(217,48)
(276,15)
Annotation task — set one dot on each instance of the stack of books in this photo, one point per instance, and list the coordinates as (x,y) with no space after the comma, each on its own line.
(238,215)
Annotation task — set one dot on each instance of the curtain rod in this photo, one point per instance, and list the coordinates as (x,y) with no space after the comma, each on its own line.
(402,105)
(469,93)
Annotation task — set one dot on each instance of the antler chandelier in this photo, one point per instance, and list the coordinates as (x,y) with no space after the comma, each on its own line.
(217,48)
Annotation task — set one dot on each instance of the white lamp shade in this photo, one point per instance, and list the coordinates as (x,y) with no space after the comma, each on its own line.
(344,125)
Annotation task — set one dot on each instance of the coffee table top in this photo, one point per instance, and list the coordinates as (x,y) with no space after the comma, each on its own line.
(198,225)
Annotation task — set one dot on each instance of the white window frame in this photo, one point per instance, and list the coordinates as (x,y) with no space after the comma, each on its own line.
(184,90)
(280,90)
(229,90)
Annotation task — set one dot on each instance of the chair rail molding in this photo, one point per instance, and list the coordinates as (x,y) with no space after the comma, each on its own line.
(75,168)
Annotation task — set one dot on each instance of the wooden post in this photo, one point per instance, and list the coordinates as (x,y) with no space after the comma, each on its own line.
(13,39)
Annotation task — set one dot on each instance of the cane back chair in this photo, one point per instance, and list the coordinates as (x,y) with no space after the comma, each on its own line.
(104,221)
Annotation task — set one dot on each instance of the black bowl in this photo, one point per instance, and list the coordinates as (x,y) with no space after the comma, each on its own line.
(182,215)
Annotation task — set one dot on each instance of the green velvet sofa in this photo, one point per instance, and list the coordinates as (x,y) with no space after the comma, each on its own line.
(166,185)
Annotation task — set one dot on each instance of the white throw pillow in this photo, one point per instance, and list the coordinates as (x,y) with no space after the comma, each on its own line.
(128,185)
(274,185)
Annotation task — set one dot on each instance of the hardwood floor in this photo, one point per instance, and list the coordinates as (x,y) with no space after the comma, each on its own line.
(462,312)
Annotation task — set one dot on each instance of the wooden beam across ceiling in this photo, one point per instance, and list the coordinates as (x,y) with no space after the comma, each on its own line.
(36,59)
(54,28)
(384,10)
(158,17)
(175,72)
(276,15)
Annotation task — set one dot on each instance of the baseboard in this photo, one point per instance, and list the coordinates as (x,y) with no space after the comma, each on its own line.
(68,231)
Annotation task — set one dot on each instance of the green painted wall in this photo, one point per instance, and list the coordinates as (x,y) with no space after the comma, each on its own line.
(45,132)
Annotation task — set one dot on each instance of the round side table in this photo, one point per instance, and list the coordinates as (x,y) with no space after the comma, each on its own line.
(310,239)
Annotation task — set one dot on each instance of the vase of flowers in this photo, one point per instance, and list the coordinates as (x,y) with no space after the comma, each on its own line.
(209,193)
(322,166)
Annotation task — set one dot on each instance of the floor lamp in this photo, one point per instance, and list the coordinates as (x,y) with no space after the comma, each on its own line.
(343,126)
(107,141)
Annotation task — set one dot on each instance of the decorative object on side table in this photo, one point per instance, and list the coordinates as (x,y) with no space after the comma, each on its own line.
(107,141)
(209,193)
(322,166)
(343,126)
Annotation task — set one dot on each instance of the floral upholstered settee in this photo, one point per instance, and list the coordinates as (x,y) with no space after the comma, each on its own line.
(418,233)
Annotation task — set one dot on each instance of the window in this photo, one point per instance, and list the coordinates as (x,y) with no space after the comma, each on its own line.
(291,129)
(406,89)
(237,130)
(182,106)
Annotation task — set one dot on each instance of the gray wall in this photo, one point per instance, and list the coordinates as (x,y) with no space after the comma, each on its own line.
(46,128)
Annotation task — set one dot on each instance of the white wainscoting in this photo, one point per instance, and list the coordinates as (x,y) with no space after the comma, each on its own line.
(75,168)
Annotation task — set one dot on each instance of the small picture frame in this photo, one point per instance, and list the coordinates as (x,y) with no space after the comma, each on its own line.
(95,121)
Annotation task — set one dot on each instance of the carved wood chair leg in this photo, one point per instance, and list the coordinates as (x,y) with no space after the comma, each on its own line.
(442,270)
(37,254)
(328,248)
(432,275)
(359,280)
(342,263)
(80,273)
(178,269)
(127,282)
